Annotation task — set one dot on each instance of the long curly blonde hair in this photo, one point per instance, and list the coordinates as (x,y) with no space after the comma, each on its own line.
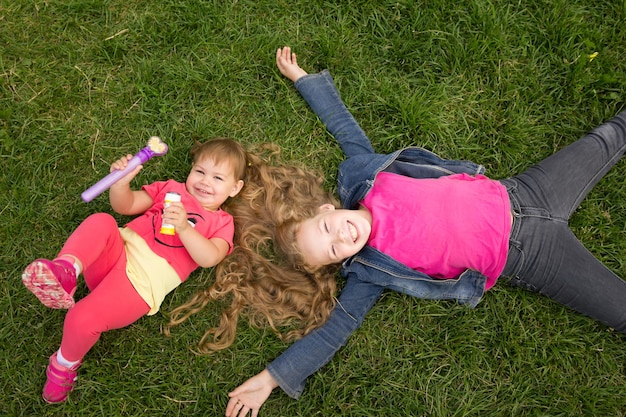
(264,276)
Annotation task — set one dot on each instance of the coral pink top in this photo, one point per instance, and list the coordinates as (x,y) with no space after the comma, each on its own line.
(442,226)
(210,224)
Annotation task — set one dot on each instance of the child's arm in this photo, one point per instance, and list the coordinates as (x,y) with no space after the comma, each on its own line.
(251,395)
(291,369)
(123,199)
(205,252)
(287,64)
(322,96)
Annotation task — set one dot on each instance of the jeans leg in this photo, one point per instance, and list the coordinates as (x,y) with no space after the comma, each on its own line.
(560,182)
(544,255)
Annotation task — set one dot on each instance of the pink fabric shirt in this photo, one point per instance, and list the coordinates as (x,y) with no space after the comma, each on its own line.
(209,223)
(442,226)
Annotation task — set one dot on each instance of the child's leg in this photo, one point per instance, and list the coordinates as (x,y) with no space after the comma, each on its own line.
(544,255)
(113,304)
(561,181)
(547,258)
(95,245)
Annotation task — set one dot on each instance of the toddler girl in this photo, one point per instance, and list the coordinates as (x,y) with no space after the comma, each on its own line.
(130,270)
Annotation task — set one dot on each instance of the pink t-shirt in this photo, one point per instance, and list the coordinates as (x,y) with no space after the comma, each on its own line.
(210,224)
(442,226)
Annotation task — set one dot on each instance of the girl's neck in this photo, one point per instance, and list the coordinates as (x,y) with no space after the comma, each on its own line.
(366,214)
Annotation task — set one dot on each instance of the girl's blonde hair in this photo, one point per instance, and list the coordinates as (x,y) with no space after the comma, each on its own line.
(263,276)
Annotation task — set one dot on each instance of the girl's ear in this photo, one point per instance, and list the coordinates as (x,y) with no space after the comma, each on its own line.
(236,188)
(326,207)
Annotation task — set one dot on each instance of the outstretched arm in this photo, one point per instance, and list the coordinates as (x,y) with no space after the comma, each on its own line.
(251,395)
(123,199)
(287,63)
(322,96)
(291,369)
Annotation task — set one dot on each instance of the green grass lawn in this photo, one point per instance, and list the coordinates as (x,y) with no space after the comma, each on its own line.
(502,83)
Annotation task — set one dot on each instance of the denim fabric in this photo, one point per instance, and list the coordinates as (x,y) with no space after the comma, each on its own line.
(355,180)
(544,255)
(369,272)
(542,199)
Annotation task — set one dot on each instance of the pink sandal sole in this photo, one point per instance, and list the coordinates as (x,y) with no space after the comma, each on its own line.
(41,281)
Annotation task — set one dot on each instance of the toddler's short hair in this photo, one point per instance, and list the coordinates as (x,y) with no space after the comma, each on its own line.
(220,149)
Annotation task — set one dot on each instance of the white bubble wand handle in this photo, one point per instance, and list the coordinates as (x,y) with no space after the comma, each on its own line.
(155,147)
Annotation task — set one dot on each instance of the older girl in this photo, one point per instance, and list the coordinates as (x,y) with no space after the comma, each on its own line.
(452,238)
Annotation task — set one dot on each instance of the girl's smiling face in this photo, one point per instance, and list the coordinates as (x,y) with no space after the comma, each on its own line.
(211,184)
(333,235)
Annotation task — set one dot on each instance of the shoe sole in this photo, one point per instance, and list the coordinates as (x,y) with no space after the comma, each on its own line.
(40,280)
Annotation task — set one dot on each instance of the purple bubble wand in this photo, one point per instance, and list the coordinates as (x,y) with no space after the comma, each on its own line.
(155,147)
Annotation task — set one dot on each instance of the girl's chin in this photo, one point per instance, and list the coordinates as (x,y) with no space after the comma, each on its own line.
(356,248)
(202,197)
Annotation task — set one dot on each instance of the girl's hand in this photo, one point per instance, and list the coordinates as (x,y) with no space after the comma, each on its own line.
(121,164)
(176,215)
(287,64)
(251,395)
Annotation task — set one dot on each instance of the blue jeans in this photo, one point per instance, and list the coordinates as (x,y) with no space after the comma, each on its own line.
(544,255)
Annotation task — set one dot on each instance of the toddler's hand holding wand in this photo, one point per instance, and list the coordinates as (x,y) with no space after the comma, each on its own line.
(155,147)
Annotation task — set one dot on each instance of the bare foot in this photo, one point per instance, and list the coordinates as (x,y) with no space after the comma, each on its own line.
(288,64)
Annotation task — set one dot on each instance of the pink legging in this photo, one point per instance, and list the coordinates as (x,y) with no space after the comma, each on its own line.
(112,302)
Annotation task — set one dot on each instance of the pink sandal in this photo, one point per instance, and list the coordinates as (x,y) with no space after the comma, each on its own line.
(60,381)
(52,282)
